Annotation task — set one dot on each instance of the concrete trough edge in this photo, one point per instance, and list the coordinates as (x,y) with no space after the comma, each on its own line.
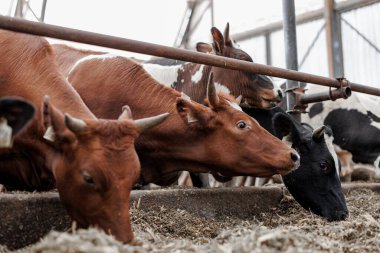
(26,217)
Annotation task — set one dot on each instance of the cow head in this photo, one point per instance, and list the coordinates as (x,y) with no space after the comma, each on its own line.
(315,185)
(96,166)
(15,114)
(257,90)
(230,141)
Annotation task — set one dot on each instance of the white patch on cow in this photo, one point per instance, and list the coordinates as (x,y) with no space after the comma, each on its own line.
(5,134)
(198,75)
(92,57)
(359,102)
(329,143)
(234,105)
(287,139)
(166,75)
(376,163)
(49,134)
(186,97)
(221,88)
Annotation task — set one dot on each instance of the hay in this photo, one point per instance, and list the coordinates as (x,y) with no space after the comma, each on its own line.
(289,228)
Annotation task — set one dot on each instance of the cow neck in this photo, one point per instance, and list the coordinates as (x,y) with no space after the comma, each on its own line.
(191,78)
(146,97)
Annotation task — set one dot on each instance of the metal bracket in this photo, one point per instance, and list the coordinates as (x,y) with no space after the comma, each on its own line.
(344,91)
(298,107)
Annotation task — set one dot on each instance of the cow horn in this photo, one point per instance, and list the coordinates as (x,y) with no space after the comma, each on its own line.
(126,113)
(211,91)
(226,34)
(239,99)
(318,133)
(146,123)
(74,124)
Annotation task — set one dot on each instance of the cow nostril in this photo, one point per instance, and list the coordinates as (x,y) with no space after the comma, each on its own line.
(295,157)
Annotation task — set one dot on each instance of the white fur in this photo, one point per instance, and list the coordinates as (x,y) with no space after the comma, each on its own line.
(235,106)
(376,163)
(359,102)
(167,75)
(198,75)
(287,140)
(221,88)
(329,142)
(5,134)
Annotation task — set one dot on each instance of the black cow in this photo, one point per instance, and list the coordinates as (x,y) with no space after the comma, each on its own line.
(356,126)
(315,184)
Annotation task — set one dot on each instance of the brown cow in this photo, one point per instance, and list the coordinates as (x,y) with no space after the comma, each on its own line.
(217,137)
(92,162)
(256,90)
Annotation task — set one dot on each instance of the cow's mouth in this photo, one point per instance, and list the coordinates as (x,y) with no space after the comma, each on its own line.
(269,103)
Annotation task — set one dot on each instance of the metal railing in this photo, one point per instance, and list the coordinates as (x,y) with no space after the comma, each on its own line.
(58,32)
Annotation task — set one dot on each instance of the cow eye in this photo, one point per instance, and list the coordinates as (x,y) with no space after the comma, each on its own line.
(324,167)
(241,125)
(88,179)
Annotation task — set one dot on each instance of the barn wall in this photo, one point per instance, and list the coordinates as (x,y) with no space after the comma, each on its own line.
(361,61)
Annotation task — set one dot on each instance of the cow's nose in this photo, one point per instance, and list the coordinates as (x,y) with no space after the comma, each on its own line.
(294,156)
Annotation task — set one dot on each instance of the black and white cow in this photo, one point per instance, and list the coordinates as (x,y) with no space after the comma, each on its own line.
(355,123)
(15,114)
(315,184)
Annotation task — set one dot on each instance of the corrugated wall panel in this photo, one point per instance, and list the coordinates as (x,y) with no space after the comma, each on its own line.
(316,61)
(361,61)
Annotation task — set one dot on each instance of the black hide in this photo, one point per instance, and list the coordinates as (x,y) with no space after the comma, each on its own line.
(315,184)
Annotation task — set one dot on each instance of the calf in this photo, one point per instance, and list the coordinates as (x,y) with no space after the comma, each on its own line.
(15,115)
(257,90)
(196,137)
(92,162)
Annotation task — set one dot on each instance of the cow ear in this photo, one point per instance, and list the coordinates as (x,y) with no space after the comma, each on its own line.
(319,133)
(285,126)
(204,47)
(193,113)
(218,39)
(59,127)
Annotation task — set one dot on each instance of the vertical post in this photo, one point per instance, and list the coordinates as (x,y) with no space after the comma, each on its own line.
(19,9)
(43,11)
(333,40)
(290,39)
(212,13)
(268,49)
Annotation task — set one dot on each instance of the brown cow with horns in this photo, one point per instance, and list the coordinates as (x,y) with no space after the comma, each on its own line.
(92,162)
(216,137)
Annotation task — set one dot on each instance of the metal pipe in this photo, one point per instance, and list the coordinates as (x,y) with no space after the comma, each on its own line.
(290,39)
(53,31)
(333,95)
(341,7)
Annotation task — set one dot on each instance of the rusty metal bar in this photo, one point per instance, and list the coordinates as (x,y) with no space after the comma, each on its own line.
(341,7)
(333,95)
(58,32)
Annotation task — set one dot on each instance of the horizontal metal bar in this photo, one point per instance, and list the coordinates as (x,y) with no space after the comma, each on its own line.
(58,32)
(333,95)
(302,19)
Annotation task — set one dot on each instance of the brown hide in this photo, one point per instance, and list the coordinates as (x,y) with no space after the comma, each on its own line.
(92,162)
(211,141)
(257,90)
